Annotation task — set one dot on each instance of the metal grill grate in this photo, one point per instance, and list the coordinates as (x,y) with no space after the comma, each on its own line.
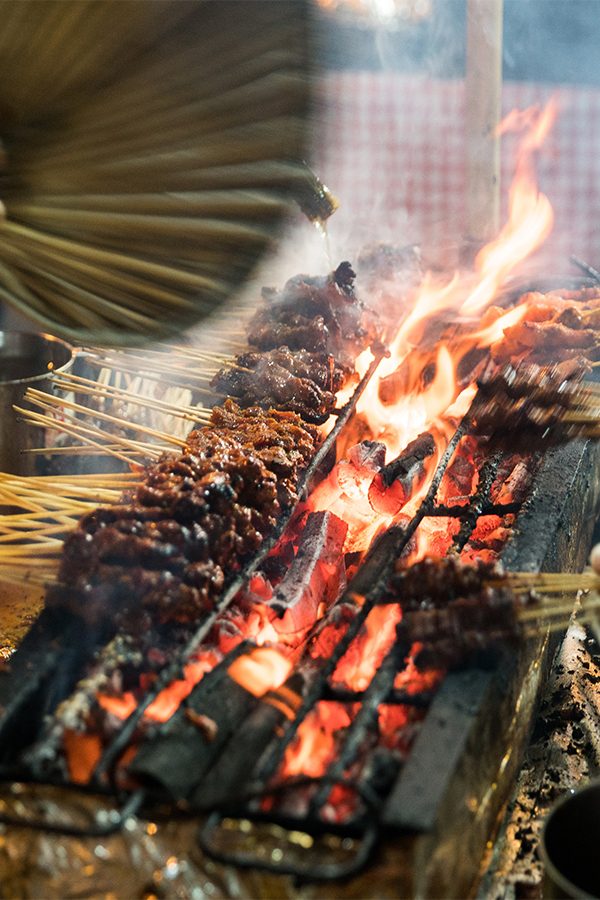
(244,772)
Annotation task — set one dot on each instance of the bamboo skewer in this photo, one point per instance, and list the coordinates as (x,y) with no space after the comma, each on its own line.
(155,368)
(86,450)
(194,413)
(50,402)
(78,384)
(85,435)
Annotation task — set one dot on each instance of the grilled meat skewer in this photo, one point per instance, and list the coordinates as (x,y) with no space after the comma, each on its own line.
(167,549)
(534,408)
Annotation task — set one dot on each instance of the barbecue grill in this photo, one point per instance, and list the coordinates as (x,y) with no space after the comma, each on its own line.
(370,800)
(198,750)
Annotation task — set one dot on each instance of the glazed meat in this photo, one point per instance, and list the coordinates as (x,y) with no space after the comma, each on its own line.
(434,582)
(167,549)
(321,368)
(269,330)
(269,384)
(455,614)
(529,409)
(322,313)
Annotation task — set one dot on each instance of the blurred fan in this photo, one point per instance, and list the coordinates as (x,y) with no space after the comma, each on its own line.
(148,154)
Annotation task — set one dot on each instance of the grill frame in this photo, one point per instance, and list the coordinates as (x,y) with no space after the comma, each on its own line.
(468,697)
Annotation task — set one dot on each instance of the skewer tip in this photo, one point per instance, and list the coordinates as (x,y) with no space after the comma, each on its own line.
(595,558)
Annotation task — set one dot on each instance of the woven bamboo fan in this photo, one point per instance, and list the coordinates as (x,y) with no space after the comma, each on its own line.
(148,152)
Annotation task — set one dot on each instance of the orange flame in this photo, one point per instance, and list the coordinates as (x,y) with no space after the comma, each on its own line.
(314,745)
(530,215)
(464,296)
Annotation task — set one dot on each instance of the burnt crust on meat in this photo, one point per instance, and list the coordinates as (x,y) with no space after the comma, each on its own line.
(322,313)
(169,546)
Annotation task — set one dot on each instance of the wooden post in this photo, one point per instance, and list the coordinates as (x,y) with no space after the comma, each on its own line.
(483,83)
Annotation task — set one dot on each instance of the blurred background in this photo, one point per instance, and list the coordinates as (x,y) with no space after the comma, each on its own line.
(389,137)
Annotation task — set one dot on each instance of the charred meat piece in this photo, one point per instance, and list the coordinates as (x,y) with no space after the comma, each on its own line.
(434,582)
(269,384)
(268,331)
(322,313)
(455,614)
(462,473)
(524,408)
(316,575)
(322,368)
(165,548)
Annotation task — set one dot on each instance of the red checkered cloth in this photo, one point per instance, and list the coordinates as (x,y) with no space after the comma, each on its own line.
(392,148)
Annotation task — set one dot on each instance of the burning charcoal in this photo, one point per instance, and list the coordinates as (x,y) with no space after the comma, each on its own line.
(332,628)
(491,532)
(362,461)
(393,486)
(513,487)
(233,769)
(174,760)
(317,574)
(368,455)
(460,476)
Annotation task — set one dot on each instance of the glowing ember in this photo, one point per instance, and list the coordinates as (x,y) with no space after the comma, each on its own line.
(261,670)
(83,753)
(169,700)
(314,746)
(358,665)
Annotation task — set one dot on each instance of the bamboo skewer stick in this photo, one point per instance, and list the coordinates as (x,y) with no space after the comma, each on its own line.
(551,582)
(50,402)
(85,450)
(110,392)
(78,384)
(83,433)
(154,365)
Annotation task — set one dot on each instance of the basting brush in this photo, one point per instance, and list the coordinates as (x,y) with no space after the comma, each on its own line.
(150,151)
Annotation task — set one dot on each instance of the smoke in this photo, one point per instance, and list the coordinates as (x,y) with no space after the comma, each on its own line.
(389,140)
